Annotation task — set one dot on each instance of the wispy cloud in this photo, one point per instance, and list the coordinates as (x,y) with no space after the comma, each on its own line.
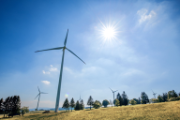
(51,69)
(46,82)
(44,72)
(144,16)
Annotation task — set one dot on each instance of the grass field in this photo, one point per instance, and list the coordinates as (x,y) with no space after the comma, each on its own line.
(155,111)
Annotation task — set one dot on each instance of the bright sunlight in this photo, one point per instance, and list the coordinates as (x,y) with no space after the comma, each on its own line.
(108,32)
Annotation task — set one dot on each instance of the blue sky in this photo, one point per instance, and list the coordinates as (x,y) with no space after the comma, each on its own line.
(144,55)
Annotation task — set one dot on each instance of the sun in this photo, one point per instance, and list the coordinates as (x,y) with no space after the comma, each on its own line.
(108,32)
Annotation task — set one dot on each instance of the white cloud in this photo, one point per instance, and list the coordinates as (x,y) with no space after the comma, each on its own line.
(46,82)
(44,72)
(144,16)
(52,68)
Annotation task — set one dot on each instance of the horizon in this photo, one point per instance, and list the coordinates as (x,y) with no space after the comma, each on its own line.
(127,46)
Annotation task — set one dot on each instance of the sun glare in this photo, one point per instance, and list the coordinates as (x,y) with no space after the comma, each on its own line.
(108,32)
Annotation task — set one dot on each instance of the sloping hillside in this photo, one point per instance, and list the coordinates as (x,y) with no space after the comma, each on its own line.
(156,111)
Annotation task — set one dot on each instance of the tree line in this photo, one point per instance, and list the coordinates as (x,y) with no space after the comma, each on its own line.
(121,100)
(11,105)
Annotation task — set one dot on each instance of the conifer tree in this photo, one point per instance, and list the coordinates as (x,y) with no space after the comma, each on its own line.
(120,99)
(1,105)
(160,98)
(66,104)
(172,94)
(72,104)
(81,105)
(90,102)
(144,98)
(125,100)
(77,107)
(165,97)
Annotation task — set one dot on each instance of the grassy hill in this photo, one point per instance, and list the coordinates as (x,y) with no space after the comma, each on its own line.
(155,111)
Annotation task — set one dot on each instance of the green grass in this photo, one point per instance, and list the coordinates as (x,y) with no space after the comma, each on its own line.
(155,111)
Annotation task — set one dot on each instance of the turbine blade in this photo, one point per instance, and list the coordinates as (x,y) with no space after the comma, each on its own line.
(75,55)
(58,48)
(36,96)
(65,41)
(43,93)
(38,89)
(116,90)
(111,89)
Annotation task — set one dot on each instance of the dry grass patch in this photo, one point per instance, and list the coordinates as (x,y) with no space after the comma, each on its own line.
(155,111)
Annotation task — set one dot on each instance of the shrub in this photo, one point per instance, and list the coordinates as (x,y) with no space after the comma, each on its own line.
(174,99)
(133,102)
(105,103)
(97,104)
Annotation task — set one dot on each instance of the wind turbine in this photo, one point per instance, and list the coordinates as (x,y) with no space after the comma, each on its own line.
(154,94)
(113,94)
(39,95)
(61,71)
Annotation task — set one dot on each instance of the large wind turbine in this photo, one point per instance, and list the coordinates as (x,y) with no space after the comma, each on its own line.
(39,95)
(113,94)
(154,94)
(61,71)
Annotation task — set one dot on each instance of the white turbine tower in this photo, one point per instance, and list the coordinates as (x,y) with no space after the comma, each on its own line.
(39,95)
(61,71)
(154,94)
(113,94)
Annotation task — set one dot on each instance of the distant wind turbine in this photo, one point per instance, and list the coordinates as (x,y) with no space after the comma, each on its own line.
(61,71)
(154,94)
(113,94)
(39,95)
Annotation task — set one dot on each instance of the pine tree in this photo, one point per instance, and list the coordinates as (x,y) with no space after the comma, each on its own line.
(66,104)
(125,100)
(90,102)
(144,98)
(1,105)
(165,97)
(81,105)
(16,105)
(172,94)
(77,107)
(120,99)
(72,104)
(160,98)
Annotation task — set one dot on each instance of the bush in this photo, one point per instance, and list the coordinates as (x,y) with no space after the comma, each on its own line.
(97,104)
(105,103)
(174,99)
(133,102)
